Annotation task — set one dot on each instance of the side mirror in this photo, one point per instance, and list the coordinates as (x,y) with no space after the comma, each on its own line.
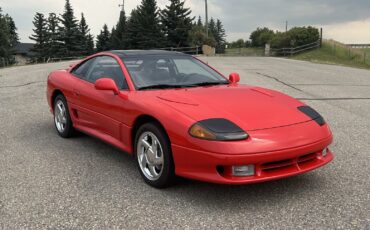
(107,84)
(234,78)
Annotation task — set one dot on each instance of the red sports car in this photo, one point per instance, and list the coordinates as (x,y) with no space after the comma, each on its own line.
(180,117)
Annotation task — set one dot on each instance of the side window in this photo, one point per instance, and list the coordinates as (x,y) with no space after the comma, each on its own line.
(107,67)
(82,70)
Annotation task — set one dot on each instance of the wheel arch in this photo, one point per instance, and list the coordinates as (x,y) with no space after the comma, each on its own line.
(54,95)
(143,119)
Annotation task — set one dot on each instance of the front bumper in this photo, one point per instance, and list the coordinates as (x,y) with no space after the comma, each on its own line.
(216,168)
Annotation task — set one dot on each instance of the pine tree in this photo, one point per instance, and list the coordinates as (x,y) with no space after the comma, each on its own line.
(84,36)
(199,22)
(144,27)
(131,30)
(13,35)
(177,23)
(103,39)
(212,30)
(90,45)
(5,46)
(53,35)
(119,34)
(8,39)
(69,32)
(40,36)
(217,33)
(220,37)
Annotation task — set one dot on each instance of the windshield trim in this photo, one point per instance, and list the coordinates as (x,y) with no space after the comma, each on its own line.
(174,86)
(221,79)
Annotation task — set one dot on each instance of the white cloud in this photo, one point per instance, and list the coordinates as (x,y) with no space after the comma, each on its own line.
(240,17)
(349,32)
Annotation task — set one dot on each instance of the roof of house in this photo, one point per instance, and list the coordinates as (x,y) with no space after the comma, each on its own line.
(24,48)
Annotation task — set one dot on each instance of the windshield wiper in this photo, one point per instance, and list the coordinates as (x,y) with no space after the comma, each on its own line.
(207,84)
(169,86)
(161,86)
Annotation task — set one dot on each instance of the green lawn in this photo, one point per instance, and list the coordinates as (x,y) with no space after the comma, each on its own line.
(337,54)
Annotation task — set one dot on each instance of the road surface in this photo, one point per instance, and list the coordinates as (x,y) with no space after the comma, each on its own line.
(83,183)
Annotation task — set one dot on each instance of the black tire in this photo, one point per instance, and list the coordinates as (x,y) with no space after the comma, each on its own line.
(68,129)
(167,177)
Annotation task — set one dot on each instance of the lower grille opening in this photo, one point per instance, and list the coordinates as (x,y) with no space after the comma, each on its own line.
(308,157)
(276,164)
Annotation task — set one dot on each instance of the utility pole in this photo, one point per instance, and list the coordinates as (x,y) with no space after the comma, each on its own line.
(286,26)
(206,18)
(122,5)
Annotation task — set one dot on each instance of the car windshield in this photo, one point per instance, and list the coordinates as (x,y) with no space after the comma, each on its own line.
(166,71)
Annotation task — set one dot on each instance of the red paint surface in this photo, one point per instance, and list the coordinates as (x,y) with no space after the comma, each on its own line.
(279,134)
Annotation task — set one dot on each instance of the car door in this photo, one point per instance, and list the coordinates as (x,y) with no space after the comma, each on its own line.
(81,117)
(103,110)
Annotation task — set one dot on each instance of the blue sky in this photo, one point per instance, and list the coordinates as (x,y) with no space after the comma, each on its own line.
(343,20)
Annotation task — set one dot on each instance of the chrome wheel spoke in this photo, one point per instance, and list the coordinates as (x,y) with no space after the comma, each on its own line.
(63,120)
(60,116)
(152,170)
(155,147)
(143,161)
(146,144)
(150,156)
(60,107)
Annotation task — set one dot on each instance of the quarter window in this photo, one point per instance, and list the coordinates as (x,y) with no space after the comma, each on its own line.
(82,70)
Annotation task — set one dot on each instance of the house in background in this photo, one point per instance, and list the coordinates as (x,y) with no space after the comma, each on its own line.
(23,54)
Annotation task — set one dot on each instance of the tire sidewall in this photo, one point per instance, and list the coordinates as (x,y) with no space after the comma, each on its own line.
(68,131)
(168,175)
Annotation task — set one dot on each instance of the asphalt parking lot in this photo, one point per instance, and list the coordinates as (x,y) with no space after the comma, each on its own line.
(83,183)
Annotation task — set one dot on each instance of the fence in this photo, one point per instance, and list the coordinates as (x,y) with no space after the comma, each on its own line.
(62,59)
(348,53)
(295,50)
(252,52)
(4,62)
(266,51)
(359,46)
(196,50)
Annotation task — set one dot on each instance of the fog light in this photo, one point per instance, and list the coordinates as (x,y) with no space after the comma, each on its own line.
(325,152)
(243,170)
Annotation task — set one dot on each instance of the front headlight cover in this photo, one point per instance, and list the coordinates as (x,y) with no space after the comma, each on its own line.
(217,129)
(313,114)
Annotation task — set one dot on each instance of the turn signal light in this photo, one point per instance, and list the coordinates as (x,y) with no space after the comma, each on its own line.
(202,133)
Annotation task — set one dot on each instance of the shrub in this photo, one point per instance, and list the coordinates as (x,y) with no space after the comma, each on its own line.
(296,36)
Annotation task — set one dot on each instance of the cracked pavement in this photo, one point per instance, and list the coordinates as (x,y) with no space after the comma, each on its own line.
(47,182)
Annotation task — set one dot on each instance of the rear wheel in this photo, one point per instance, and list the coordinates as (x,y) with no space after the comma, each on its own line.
(154,156)
(62,119)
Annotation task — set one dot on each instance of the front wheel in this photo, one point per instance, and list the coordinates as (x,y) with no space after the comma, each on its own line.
(154,156)
(62,119)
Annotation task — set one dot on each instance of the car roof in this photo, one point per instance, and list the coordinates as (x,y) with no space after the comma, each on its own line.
(136,53)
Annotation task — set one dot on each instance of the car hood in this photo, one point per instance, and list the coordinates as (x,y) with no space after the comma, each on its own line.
(251,108)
